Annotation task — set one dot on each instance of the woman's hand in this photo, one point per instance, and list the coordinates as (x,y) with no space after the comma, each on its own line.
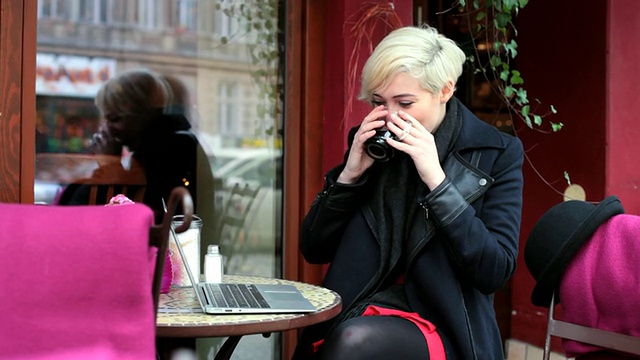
(102,142)
(418,143)
(358,161)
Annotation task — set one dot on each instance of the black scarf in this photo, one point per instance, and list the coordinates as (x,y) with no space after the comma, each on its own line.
(396,191)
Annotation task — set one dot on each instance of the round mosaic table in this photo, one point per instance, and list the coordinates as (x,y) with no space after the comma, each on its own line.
(180,315)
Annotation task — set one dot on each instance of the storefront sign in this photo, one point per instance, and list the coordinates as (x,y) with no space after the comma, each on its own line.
(68,75)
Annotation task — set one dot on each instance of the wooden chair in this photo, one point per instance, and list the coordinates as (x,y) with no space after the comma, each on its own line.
(131,183)
(606,339)
(231,226)
(82,281)
(105,182)
(90,179)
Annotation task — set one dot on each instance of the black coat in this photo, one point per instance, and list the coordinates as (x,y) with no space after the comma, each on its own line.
(167,153)
(461,248)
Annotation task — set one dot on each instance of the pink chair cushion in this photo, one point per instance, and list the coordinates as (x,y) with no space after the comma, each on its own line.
(601,286)
(74,277)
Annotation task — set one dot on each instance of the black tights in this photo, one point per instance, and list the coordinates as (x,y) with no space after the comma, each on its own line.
(375,338)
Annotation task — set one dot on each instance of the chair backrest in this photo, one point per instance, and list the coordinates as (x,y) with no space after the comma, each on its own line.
(80,278)
(617,342)
(91,179)
(101,190)
(237,203)
(111,179)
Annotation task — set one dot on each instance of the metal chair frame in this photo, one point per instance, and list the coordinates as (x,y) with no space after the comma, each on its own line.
(606,339)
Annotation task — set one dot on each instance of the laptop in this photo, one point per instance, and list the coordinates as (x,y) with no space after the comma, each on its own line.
(234,298)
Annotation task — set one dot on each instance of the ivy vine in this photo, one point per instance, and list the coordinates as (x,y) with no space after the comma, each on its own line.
(259,28)
(491,23)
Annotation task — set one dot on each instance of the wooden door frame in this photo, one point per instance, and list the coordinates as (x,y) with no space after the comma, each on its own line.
(303,150)
(17,99)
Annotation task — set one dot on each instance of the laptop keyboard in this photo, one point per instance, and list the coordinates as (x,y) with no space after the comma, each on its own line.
(237,295)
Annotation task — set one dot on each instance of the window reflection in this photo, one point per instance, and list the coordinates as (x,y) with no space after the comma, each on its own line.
(229,62)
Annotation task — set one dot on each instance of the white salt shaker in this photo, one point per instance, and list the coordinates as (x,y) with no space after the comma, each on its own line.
(213,265)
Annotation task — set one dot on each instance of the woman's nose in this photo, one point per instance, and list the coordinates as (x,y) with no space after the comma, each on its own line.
(392,110)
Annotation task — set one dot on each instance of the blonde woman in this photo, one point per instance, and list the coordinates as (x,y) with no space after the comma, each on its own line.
(420,223)
(136,108)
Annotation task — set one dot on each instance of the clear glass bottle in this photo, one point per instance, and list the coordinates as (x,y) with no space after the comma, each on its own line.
(213,267)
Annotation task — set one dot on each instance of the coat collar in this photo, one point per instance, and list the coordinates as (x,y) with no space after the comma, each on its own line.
(476,133)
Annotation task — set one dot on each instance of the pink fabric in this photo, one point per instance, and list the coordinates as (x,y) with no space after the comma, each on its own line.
(165,284)
(167,275)
(75,277)
(601,286)
(97,352)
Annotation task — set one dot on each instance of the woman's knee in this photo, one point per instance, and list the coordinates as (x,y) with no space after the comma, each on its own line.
(353,335)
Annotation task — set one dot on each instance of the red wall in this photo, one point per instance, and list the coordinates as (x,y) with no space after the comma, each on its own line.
(623,108)
(340,44)
(579,59)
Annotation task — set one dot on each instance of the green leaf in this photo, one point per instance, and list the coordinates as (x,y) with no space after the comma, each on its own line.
(511,48)
(537,119)
(556,126)
(502,19)
(496,61)
(508,5)
(516,79)
(553,110)
(527,121)
(521,96)
(508,91)
(504,75)
(481,15)
(566,176)
(463,3)
(525,110)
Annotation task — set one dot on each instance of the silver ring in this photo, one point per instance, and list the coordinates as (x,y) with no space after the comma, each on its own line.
(405,132)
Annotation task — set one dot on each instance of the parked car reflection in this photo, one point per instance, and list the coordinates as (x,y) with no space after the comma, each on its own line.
(259,169)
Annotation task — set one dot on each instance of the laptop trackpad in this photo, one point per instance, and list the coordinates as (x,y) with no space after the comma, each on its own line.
(280,292)
(282,296)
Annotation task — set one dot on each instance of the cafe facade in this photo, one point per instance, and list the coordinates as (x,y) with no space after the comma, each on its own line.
(580,59)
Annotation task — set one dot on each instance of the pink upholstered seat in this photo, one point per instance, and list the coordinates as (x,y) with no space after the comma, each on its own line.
(74,280)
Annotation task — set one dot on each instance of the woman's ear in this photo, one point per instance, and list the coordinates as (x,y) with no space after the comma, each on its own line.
(447,91)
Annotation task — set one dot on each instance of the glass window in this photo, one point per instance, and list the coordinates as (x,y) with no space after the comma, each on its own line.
(229,111)
(123,12)
(225,57)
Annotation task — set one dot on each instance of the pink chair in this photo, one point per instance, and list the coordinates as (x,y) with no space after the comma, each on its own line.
(81,281)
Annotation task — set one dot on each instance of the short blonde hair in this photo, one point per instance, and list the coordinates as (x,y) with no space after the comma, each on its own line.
(422,52)
(134,92)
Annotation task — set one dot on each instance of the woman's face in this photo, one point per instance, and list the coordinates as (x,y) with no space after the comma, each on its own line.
(405,93)
(125,127)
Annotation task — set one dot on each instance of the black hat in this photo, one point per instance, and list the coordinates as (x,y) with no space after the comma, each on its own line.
(557,237)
